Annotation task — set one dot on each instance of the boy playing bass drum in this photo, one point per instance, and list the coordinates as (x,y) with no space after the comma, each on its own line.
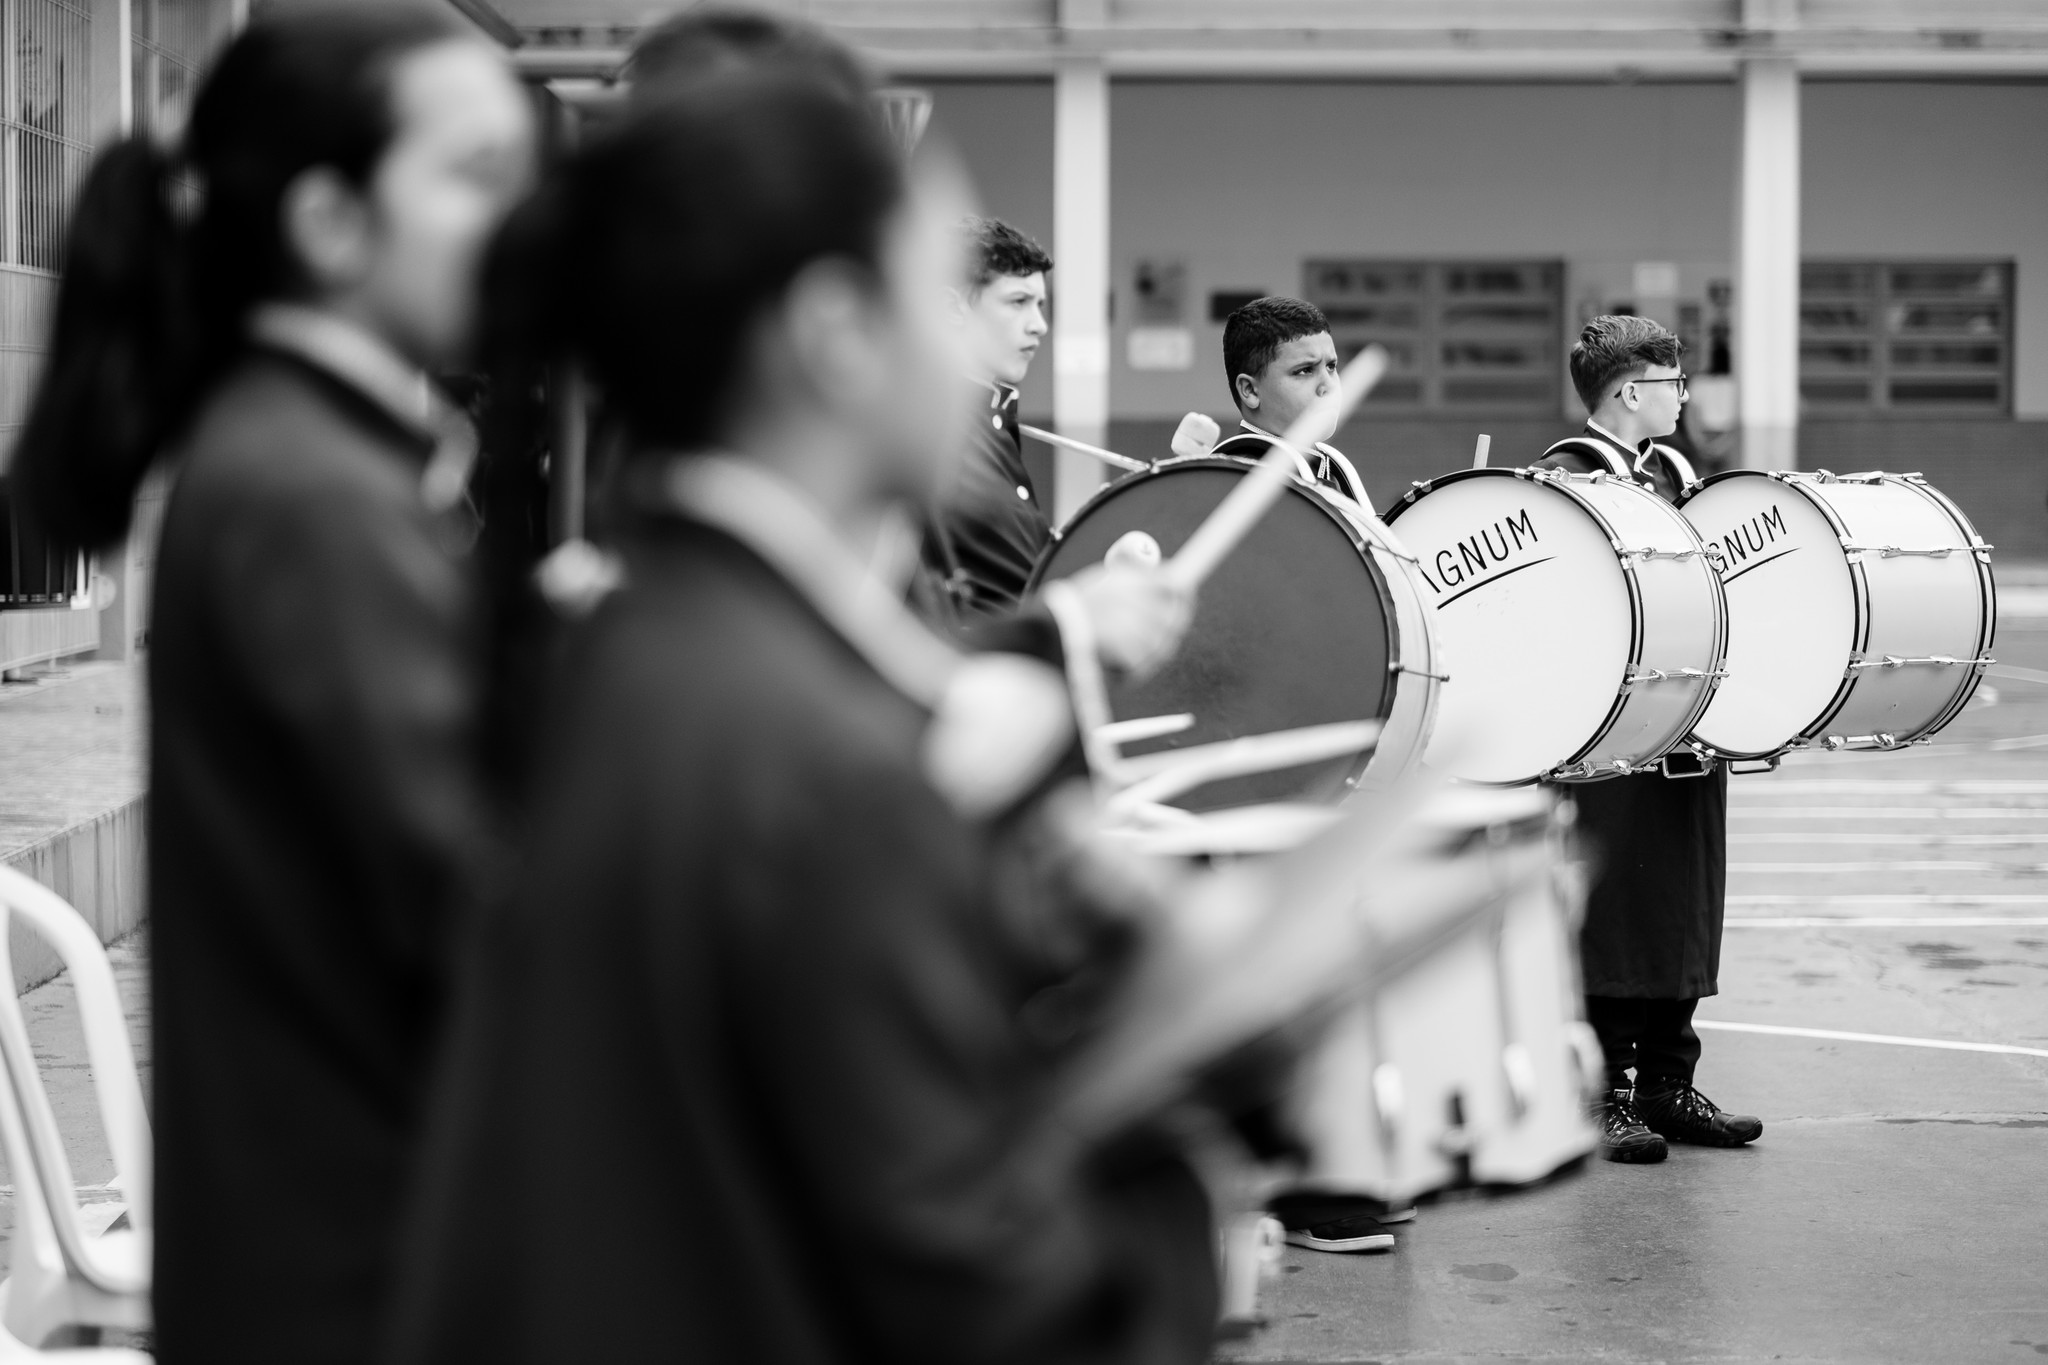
(1652,938)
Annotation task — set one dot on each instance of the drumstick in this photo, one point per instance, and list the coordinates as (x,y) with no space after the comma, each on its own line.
(1479,451)
(1052,438)
(1257,491)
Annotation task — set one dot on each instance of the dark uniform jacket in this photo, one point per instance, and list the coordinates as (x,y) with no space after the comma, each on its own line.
(741,1076)
(990,529)
(1653,917)
(311,811)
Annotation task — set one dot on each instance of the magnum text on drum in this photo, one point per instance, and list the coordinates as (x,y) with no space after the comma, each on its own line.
(1729,552)
(1487,549)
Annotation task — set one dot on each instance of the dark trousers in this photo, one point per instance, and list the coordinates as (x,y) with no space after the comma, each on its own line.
(1655,1037)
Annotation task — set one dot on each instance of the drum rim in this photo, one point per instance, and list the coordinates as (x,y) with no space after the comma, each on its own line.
(1560,480)
(1364,540)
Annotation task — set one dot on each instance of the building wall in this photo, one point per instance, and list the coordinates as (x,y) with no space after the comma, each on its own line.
(1243,180)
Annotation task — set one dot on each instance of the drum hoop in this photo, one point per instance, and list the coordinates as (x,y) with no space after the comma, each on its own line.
(1986,585)
(1986,582)
(1368,544)
(1859,591)
(1635,592)
(1708,692)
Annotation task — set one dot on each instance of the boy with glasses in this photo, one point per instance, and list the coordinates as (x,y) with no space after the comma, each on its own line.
(1651,944)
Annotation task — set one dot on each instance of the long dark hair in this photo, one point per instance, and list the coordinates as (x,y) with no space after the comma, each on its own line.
(151,308)
(647,254)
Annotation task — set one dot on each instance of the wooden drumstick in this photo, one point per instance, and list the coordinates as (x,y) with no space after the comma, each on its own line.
(1053,438)
(1257,491)
(1479,451)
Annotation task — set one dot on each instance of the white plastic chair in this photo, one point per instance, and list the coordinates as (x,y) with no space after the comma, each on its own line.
(60,1276)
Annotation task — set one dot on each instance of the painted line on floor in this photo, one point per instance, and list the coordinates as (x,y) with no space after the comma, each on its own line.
(2017,674)
(1814,869)
(1875,898)
(1840,1036)
(1896,839)
(1888,813)
(1995,746)
(1886,922)
(1817,786)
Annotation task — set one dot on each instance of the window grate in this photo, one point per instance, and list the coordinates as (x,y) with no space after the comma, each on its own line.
(1906,338)
(172,42)
(1461,336)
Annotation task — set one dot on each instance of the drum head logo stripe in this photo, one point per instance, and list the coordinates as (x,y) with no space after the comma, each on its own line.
(1474,587)
(1758,565)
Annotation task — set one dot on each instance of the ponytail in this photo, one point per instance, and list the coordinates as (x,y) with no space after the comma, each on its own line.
(119,375)
(150,311)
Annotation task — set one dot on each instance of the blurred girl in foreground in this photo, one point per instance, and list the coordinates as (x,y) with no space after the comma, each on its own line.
(744,1073)
(312,820)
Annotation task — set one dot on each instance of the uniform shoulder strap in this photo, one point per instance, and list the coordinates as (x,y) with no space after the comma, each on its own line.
(1253,445)
(1680,466)
(1603,454)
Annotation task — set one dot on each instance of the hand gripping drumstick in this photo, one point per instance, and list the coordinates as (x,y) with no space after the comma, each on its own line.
(1257,491)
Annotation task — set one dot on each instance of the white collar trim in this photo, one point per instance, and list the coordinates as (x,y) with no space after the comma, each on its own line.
(367,364)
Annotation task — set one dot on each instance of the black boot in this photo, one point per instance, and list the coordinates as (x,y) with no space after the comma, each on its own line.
(1623,1134)
(1683,1114)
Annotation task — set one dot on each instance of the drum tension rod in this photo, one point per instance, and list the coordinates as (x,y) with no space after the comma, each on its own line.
(1398,667)
(1899,661)
(1876,741)
(1655,554)
(1894,551)
(1638,675)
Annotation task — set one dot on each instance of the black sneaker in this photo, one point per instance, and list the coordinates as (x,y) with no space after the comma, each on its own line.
(1683,1114)
(1329,1222)
(1361,1233)
(1623,1134)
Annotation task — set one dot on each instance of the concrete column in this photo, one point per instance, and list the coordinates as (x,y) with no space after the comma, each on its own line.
(1766,311)
(1080,276)
(125,566)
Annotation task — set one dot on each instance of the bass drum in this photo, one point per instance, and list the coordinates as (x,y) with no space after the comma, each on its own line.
(1317,617)
(1582,626)
(1860,610)
(1475,1065)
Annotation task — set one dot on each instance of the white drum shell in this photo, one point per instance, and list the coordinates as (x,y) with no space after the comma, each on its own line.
(1817,606)
(1475,1066)
(1544,617)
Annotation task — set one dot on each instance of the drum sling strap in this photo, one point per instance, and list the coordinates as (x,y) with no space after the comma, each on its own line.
(1681,468)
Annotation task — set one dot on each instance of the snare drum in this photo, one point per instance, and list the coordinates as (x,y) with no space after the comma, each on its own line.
(1581,624)
(1317,617)
(1860,610)
(1476,1065)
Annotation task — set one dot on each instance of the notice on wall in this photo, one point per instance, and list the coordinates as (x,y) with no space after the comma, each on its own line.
(1161,348)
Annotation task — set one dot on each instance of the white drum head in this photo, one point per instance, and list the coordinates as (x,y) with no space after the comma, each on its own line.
(1791,611)
(1533,619)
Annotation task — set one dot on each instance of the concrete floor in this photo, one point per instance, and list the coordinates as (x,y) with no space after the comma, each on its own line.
(1896,1208)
